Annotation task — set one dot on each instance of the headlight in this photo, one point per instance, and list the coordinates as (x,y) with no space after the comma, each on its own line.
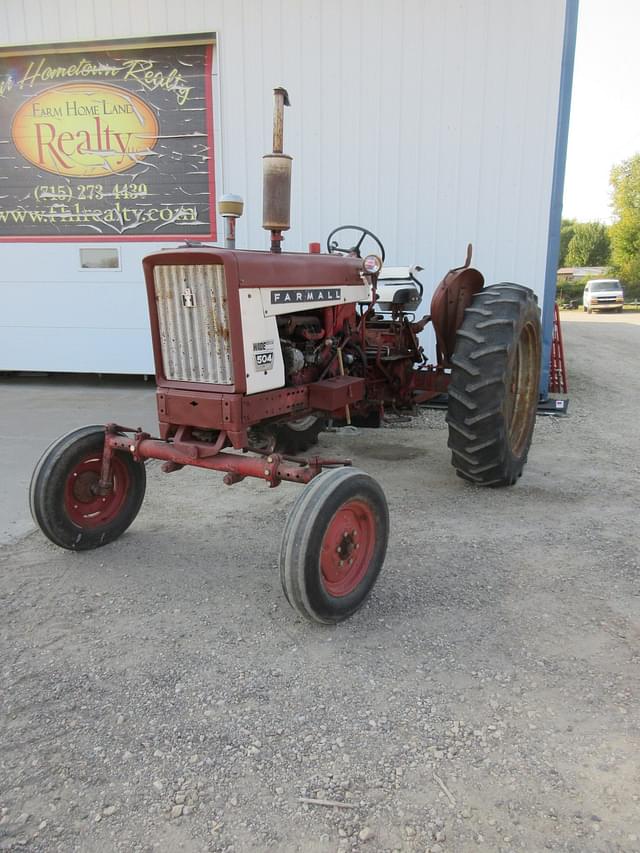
(372,264)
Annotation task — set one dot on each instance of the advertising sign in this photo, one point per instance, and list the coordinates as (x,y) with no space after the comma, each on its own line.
(107,144)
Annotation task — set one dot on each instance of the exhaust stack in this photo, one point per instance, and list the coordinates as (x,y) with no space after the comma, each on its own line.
(276,192)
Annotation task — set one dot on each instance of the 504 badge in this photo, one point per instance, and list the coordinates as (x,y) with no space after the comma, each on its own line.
(263,354)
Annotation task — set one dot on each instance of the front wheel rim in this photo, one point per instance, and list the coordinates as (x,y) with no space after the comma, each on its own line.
(347,548)
(84,506)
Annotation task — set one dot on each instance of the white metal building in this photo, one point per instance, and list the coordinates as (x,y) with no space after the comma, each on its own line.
(433,123)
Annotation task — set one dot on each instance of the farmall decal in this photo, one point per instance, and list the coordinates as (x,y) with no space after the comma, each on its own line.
(107,144)
(306,294)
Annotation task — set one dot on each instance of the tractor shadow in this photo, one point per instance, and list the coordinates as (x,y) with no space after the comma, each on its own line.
(395,452)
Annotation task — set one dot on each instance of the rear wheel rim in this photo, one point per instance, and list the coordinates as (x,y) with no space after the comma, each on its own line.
(302,424)
(522,393)
(347,548)
(84,506)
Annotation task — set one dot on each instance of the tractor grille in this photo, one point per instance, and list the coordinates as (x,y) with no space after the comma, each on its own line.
(193,316)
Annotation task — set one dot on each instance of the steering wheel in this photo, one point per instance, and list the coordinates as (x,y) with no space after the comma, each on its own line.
(334,249)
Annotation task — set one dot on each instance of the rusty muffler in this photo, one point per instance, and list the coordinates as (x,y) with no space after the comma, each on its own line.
(276,167)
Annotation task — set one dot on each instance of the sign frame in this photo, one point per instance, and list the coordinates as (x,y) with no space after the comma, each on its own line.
(209,40)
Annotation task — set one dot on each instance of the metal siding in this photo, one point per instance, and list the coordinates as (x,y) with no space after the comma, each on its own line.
(431,122)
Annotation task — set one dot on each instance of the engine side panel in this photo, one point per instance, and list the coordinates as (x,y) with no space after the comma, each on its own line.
(261,343)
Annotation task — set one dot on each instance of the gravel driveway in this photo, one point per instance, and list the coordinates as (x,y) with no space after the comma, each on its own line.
(160,694)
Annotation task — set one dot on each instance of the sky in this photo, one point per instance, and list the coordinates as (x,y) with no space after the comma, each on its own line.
(605,105)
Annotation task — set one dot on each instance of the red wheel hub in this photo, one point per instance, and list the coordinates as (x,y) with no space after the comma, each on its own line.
(347,548)
(84,506)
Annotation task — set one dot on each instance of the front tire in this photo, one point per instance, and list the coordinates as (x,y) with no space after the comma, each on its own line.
(334,544)
(493,391)
(62,496)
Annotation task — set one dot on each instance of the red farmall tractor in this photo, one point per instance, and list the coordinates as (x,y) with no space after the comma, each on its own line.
(255,350)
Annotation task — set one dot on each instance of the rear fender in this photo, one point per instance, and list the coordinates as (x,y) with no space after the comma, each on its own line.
(450,300)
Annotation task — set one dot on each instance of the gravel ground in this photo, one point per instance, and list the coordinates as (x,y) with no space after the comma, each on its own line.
(160,694)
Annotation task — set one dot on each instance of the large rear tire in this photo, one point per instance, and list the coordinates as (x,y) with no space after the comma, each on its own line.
(298,436)
(493,392)
(334,544)
(63,498)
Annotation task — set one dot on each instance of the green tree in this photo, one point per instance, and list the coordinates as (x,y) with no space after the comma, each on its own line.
(625,231)
(567,227)
(589,246)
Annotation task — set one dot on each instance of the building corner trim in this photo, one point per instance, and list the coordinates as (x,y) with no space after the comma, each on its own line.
(557,188)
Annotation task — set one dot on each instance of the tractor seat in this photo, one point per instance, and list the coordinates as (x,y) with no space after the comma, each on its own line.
(397,290)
